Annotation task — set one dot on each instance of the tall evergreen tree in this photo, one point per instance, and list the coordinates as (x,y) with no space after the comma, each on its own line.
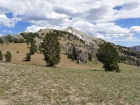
(1,41)
(109,57)
(1,56)
(90,56)
(33,48)
(51,48)
(75,53)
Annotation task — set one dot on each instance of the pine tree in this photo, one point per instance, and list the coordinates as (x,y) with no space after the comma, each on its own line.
(137,63)
(33,49)
(90,56)
(28,56)
(74,52)
(1,56)
(51,48)
(1,41)
(8,56)
(109,57)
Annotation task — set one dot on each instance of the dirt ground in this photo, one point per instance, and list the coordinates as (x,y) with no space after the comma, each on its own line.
(3,102)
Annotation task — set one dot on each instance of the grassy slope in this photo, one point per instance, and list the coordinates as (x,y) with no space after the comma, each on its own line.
(37,59)
(38,85)
(14,48)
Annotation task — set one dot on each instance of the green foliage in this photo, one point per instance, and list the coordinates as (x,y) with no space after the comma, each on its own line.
(8,56)
(51,48)
(33,48)
(9,38)
(73,54)
(90,56)
(128,55)
(29,37)
(1,41)
(19,40)
(1,56)
(109,57)
(28,56)
(40,48)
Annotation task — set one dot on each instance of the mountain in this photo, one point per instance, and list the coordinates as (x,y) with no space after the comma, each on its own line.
(135,48)
(89,44)
(83,44)
(88,39)
(81,35)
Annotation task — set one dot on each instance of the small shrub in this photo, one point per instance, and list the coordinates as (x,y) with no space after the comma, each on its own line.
(17,52)
(1,56)
(8,56)
(28,56)
(33,48)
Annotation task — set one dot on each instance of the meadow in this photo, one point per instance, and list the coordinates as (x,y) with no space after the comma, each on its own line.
(40,85)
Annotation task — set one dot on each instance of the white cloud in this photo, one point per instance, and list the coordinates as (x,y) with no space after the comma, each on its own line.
(107,31)
(9,31)
(130,5)
(33,28)
(4,30)
(5,21)
(95,17)
(97,35)
(135,29)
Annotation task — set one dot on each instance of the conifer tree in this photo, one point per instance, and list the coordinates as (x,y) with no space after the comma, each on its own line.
(1,41)
(51,48)
(28,56)
(109,57)
(1,56)
(8,56)
(33,49)
(90,56)
(74,53)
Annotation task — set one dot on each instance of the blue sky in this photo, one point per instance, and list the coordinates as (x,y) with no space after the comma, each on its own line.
(117,21)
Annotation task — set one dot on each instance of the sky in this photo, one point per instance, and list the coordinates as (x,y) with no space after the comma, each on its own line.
(116,21)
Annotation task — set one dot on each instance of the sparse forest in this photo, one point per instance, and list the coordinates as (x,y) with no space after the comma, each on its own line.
(75,60)
(75,48)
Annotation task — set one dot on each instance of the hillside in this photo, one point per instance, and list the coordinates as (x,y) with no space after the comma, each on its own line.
(68,38)
(69,83)
(135,48)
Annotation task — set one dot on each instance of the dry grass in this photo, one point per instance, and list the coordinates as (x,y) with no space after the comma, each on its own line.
(38,85)
(38,59)
(67,84)
(14,48)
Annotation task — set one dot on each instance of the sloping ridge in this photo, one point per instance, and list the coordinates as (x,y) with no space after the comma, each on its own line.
(135,48)
(83,36)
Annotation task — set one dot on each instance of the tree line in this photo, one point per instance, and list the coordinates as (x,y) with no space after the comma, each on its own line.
(9,39)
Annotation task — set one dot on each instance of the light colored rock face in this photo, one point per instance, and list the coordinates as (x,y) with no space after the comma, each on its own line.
(18,36)
(83,36)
